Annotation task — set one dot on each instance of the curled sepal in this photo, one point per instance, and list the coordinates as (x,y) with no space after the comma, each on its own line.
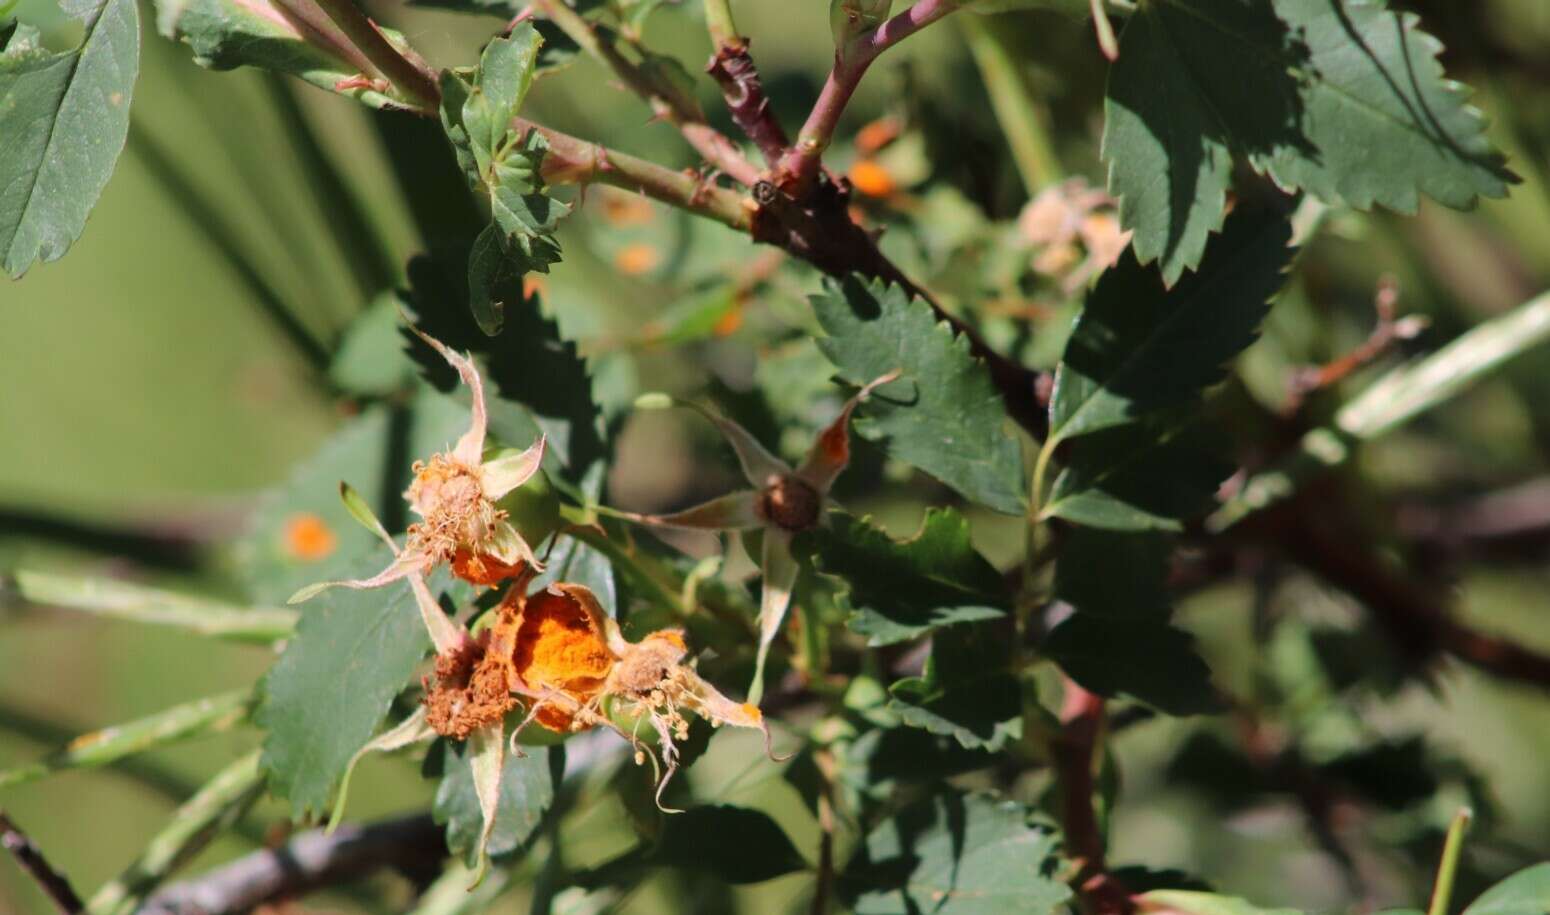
(446,635)
(411,730)
(470,448)
(505,473)
(404,565)
(487,759)
(758,464)
(780,576)
(831,450)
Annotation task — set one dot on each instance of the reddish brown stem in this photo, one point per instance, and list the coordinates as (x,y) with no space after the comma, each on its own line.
(1082,720)
(51,882)
(799,165)
(732,67)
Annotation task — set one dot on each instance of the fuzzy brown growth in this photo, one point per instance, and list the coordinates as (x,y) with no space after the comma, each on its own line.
(450,499)
(469,691)
(647,665)
(790,503)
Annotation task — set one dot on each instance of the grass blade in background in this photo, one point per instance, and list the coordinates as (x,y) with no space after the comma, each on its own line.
(100,748)
(139,604)
(1391,401)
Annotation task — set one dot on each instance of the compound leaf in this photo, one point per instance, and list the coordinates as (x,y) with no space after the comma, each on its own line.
(943,415)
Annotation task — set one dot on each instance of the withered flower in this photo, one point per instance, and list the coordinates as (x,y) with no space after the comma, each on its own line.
(783,502)
(555,654)
(457,495)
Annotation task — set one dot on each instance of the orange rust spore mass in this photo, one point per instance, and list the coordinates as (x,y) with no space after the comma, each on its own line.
(484,570)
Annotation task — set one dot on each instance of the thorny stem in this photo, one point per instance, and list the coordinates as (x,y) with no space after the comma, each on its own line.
(415,82)
(666,101)
(571,160)
(1082,725)
(799,166)
(30,859)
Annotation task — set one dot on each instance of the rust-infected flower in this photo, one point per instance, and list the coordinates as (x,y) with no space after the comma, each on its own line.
(783,501)
(555,654)
(457,496)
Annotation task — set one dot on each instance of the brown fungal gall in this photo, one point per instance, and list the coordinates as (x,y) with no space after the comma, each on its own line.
(469,691)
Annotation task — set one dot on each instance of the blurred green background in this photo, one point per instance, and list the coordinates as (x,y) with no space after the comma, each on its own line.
(147,397)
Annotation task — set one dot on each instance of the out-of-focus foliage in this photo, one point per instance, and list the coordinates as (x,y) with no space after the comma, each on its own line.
(1233,619)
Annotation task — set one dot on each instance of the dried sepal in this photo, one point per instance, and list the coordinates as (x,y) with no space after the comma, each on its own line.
(412,730)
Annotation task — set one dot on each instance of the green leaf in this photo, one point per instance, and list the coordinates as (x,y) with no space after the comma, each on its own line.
(500,85)
(899,590)
(353,652)
(1150,662)
(734,844)
(63,121)
(536,381)
(1525,893)
(1113,574)
(967,690)
(1139,347)
(226,34)
(1190,902)
(943,415)
(955,854)
(1341,98)
(528,784)
(476,112)
(1139,477)
(876,762)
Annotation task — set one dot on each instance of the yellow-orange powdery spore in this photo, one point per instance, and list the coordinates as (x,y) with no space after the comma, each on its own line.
(482,569)
(560,646)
